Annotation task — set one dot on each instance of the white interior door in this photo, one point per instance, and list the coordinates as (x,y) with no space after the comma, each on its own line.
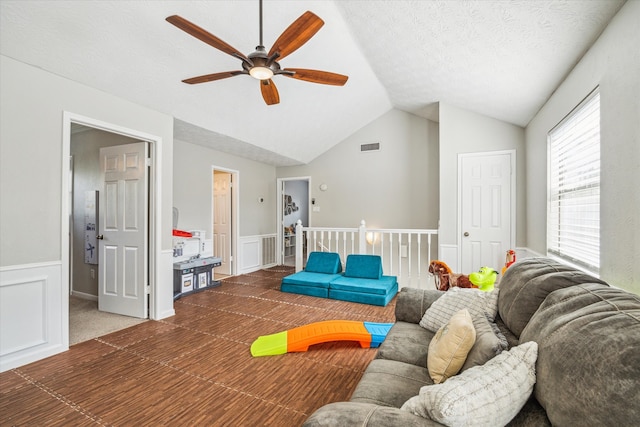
(222,193)
(123,212)
(486,209)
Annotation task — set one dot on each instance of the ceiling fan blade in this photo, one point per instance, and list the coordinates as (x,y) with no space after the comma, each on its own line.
(315,76)
(269,92)
(204,35)
(212,77)
(297,34)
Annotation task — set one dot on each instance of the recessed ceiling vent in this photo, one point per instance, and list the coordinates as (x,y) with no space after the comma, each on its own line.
(373,146)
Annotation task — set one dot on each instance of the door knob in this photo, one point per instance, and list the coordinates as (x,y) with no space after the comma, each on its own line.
(99,237)
(466,234)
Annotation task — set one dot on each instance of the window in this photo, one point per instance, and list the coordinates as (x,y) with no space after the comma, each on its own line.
(573,207)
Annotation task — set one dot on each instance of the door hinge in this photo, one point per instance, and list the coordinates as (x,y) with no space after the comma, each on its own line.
(147,290)
(147,161)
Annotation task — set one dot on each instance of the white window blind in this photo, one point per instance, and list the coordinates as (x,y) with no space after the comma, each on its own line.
(573,217)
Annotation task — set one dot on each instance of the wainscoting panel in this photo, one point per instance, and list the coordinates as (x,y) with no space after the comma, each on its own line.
(256,252)
(32,314)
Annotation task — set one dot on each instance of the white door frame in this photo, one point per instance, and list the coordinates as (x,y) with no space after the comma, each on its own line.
(154,253)
(512,209)
(235,213)
(280,213)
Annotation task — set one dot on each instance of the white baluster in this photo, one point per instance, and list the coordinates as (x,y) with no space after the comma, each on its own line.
(419,257)
(299,236)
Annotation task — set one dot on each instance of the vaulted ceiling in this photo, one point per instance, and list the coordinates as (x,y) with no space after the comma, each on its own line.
(499,58)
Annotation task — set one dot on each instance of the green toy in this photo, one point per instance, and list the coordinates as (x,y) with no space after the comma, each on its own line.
(484,279)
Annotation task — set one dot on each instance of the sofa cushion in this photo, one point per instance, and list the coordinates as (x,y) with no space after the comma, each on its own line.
(406,342)
(313,291)
(527,283)
(412,303)
(380,286)
(362,296)
(390,383)
(531,415)
(363,266)
(323,262)
(449,347)
(340,414)
(305,278)
(487,395)
(489,343)
(477,302)
(307,283)
(589,355)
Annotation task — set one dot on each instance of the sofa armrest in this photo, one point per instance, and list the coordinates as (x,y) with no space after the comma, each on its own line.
(412,303)
(342,414)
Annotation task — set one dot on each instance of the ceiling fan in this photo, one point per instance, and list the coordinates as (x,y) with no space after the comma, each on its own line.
(262,65)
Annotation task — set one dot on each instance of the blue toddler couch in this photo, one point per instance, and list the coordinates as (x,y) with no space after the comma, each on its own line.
(362,280)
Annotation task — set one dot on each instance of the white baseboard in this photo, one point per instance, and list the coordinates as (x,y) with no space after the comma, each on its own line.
(83,295)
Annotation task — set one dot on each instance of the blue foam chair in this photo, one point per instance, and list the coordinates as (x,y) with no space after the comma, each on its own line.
(363,282)
(321,269)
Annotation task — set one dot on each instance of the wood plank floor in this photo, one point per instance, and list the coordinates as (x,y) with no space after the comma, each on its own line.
(195,368)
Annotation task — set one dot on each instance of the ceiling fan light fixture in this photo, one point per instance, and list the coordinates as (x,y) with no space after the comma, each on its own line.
(261,73)
(262,65)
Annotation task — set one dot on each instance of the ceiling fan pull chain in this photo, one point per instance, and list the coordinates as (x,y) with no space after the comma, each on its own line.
(261,23)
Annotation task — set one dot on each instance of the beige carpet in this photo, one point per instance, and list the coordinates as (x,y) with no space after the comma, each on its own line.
(86,322)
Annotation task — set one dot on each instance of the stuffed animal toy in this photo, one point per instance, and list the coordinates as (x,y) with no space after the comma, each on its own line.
(446,279)
(441,272)
(511,258)
(484,279)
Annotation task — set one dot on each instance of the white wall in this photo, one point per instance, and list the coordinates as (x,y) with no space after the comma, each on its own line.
(462,131)
(193,191)
(33,277)
(396,187)
(613,62)
(32,104)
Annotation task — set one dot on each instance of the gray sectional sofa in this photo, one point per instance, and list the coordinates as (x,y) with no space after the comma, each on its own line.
(587,370)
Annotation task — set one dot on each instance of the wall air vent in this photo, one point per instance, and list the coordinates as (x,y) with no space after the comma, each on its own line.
(373,146)
(268,250)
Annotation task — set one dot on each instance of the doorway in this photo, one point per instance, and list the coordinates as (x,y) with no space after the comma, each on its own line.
(224,196)
(293,206)
(88,316)
(72,250)
(487,208)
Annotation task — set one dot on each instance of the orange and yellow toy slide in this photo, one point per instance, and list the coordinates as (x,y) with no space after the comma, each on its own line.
(368,334)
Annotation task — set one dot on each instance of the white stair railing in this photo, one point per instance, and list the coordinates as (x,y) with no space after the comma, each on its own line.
(405,253)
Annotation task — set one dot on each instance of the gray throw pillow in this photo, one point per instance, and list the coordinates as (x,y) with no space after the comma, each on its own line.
(487,346)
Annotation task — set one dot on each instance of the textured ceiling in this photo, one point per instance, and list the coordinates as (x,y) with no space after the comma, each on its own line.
(502,59)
